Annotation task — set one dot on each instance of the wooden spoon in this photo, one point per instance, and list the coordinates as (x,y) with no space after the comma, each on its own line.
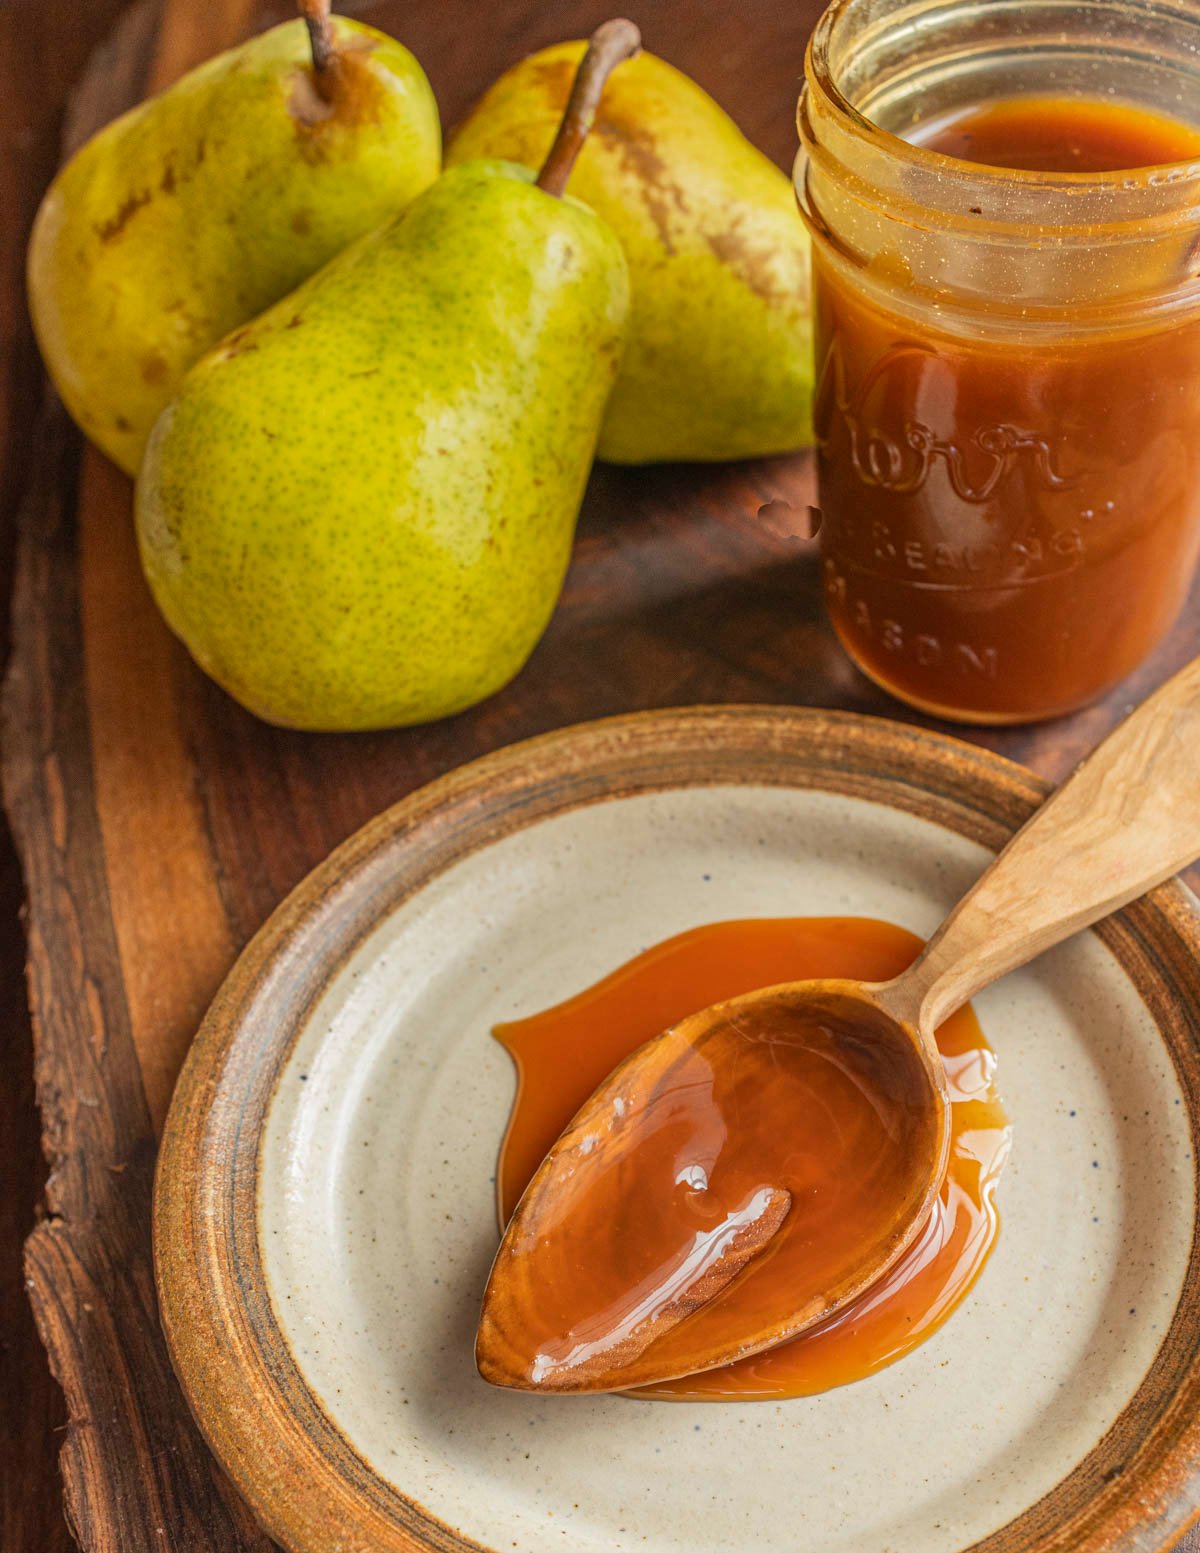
(576,1302)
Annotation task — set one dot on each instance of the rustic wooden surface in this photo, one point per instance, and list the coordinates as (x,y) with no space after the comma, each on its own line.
(159,824)
(43,47)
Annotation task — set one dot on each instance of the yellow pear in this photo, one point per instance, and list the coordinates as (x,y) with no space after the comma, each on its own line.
(359,509)
(719,360)
(196,210)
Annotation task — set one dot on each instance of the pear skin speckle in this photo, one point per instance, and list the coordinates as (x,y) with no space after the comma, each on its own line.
(719,364)
(199,208)
(359,511)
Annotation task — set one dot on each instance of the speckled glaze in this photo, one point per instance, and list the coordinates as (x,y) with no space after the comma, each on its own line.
(197,209)
(325,1208)
(719,363)
(359,511)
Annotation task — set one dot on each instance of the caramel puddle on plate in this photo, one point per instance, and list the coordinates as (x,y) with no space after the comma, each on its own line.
(561,1055)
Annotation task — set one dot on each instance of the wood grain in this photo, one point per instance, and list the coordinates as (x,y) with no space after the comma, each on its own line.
(159,824)
(135,1471)
(155,852)
(43,45)
(1127,819)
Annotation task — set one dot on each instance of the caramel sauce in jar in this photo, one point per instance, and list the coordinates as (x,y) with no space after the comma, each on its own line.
(1008,404)
(1059,135)
(561,1055)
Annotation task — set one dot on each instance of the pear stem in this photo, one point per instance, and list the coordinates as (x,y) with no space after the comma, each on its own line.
(611,44)
(320,37)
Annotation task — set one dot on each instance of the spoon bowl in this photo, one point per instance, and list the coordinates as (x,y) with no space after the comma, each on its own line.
(750,1171)
(837,1196)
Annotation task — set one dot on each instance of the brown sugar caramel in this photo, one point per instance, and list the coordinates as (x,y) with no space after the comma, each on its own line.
(1011,513)
(563,1054)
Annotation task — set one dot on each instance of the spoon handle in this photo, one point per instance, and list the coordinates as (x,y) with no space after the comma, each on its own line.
(1127,819)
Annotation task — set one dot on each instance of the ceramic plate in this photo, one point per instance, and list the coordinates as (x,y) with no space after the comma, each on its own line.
(325,1219)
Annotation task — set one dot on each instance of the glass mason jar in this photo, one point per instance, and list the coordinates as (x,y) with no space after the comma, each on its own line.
(1008,406)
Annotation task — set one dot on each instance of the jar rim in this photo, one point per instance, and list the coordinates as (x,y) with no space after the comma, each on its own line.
(820,72)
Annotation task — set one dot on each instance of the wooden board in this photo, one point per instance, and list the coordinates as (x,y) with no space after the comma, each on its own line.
(43,46)
(159,824)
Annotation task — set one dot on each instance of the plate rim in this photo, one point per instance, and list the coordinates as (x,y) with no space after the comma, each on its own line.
(229,1353)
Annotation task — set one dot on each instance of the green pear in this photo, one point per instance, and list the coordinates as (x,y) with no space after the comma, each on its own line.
(359,509)
(199,208)
(719,361)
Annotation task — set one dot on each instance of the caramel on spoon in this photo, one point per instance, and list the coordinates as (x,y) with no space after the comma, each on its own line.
(674,1227)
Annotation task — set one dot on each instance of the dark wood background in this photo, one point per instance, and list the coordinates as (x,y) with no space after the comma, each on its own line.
(159,824)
